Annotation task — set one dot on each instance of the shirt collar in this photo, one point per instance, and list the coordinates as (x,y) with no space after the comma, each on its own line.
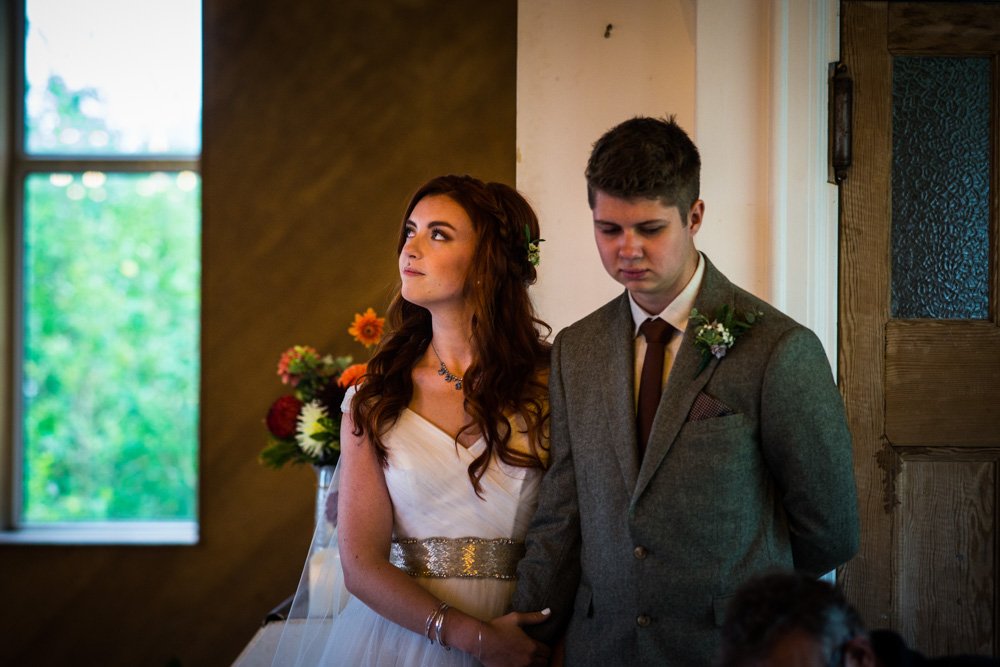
(677,311)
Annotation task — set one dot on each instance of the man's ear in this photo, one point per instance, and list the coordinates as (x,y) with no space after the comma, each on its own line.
(695,215)
(858,652)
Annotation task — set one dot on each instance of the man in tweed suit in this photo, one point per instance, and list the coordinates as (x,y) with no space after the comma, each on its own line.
(638,542)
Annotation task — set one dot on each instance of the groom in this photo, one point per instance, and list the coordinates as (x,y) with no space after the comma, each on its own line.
(657,507)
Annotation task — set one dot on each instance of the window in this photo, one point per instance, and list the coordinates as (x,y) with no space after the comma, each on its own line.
(106,247)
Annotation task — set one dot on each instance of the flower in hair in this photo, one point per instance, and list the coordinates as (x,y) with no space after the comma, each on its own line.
(532,246)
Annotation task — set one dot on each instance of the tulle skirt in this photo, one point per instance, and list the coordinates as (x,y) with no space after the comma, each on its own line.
(432,497)
(359,636)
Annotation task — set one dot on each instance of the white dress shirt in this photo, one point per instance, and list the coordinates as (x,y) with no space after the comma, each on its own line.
(676,314)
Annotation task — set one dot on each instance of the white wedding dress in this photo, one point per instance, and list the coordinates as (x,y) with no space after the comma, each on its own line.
(432,497)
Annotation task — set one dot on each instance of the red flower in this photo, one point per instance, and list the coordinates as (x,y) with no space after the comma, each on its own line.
(283,416)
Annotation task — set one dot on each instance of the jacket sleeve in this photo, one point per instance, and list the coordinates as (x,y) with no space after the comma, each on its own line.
(807,447)
(548,575)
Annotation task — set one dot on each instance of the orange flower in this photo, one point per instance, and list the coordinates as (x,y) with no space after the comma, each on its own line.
(367,328)
(351,375)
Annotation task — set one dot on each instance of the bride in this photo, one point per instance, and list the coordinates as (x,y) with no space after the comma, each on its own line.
(443,444)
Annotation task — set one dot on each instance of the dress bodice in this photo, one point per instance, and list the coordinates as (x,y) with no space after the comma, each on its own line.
(432,494)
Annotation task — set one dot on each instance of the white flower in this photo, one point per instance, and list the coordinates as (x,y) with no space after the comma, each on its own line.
(714,337)
(308,426)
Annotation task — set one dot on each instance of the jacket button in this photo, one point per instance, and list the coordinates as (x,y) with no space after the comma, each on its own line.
(640,552)
(643,621)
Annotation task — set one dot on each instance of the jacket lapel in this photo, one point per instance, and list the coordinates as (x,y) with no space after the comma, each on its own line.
(618,404)
(684,381)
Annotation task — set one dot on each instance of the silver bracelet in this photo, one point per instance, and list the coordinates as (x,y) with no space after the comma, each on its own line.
(427,626)
(431,618)
(439,626)
(479,656)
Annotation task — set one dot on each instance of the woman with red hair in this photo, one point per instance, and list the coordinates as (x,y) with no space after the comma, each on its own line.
(444,441)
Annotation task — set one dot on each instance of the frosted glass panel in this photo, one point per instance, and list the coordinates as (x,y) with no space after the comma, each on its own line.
(940,187)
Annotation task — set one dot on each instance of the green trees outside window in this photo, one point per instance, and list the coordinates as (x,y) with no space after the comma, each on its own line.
(110,360)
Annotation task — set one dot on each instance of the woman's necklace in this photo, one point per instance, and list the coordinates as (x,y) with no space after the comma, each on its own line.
(444,372)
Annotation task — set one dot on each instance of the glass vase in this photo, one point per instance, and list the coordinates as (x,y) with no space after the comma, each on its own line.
(327,593)
(325,517)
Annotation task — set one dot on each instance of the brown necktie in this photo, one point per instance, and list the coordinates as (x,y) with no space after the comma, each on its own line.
(657,333)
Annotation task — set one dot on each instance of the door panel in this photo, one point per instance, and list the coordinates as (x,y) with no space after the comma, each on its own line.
(942,383)
(946,565)
(923,393)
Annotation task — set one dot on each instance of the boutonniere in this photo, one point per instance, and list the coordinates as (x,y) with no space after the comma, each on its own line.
(713,338)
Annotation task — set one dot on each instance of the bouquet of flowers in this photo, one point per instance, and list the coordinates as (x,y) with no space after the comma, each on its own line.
(304,426)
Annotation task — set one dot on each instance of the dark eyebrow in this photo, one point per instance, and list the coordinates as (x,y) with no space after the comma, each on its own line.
(643,223)
(433,224)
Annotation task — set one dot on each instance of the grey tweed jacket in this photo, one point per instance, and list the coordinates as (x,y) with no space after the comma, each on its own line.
(748,467)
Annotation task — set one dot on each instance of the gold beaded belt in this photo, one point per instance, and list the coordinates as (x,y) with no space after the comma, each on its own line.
(442,557)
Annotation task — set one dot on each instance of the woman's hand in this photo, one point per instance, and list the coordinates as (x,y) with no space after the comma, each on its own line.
(505,644)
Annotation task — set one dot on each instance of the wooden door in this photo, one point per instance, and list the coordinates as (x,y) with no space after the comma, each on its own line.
(919,337)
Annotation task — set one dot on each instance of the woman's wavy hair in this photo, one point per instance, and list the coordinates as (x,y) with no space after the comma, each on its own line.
(508,373)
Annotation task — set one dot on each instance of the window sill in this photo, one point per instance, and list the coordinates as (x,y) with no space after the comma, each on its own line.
(137,533)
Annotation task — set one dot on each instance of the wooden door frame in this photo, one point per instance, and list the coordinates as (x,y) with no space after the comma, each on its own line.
(863,332)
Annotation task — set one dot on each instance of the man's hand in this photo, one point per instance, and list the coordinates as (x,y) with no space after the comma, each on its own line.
(504,643)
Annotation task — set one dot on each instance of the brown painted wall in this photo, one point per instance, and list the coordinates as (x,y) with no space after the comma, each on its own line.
(320,118)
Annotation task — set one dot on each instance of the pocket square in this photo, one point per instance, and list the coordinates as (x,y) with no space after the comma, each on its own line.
(708,407)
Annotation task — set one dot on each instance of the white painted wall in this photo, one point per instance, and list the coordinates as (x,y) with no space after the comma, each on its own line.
(803,204)
(731,101)
(746,78)
(573,84)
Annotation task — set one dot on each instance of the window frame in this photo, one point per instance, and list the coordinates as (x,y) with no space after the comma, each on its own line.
(19,165)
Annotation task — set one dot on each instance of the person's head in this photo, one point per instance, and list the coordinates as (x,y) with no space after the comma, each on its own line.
(785,619)
(646,158)
(467,240)
(642,186)
(463,251)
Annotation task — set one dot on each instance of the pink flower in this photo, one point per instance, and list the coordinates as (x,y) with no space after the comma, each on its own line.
(290,365)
